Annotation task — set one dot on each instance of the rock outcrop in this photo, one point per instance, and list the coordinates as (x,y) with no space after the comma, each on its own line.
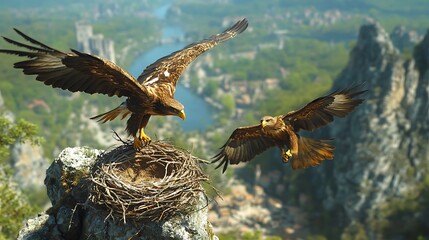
(403,38)
(73,217)
(92,43)
(28,162)
(382,148)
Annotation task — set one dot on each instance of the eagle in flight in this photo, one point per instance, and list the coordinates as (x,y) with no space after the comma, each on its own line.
(152,93)
(282,132)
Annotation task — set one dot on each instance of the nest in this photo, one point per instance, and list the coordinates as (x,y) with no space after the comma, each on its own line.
(151,184)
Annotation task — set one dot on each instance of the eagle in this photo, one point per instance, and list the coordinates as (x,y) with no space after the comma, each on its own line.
(282,132)
(152,93)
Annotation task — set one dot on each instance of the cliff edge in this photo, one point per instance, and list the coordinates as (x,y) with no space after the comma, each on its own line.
(74,216)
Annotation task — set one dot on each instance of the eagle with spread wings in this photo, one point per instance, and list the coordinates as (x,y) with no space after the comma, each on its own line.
(282,132)
(152,93)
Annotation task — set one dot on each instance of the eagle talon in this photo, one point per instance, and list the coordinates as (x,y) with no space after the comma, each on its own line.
(137,144)
(145,138)
(142,140)
(286,155)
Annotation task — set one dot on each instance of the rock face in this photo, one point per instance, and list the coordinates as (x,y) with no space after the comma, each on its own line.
(94,43)
(382,147)
(403,38)
(28,162)
(72,217)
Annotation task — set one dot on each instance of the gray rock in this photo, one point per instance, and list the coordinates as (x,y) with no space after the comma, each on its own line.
(65,172)
(28,162)
(40,227)
(403,38)
(191,226)
(72,217)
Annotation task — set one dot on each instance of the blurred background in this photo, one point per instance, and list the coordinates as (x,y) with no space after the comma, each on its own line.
(294,51)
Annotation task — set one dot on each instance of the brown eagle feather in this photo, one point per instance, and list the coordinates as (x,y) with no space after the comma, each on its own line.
(282,131)
(152,93)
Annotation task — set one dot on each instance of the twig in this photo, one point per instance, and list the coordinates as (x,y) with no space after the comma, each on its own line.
(152,184)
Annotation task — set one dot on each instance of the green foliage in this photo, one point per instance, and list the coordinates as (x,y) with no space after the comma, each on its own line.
(315,237)
(194,83)
(252,235)
(37,197)
(355,231)
(404,215)
(211,87)
(11,133)
(228,102)
(14,206)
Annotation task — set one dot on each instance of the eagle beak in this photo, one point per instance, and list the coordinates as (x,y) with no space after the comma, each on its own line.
(182,115)
(263,123)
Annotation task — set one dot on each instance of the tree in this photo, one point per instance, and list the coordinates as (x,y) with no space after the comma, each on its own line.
(11,133)
(211,88)
(14,206)
(228,102)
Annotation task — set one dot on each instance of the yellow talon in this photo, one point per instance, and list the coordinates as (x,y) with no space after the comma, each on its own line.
(286,155)
(141,141)
(145,138)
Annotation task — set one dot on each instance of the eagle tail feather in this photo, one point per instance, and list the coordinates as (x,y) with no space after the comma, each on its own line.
(112,114)
(311,152)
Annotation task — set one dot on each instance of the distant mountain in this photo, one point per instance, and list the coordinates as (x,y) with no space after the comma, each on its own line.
(378,184)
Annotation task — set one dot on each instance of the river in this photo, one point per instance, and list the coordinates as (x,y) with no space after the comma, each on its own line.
(198,112)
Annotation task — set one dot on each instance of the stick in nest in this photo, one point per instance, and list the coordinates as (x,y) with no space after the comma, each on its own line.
(151,184)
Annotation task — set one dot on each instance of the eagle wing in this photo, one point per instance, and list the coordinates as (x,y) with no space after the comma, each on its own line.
(75,71)
(243,145)
(321,111)
(165,72)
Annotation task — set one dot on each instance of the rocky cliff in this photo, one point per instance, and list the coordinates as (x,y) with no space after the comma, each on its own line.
(377,184)
(73,216)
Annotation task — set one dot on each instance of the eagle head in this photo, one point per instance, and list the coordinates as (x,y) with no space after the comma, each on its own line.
(269,122)
(171,106)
